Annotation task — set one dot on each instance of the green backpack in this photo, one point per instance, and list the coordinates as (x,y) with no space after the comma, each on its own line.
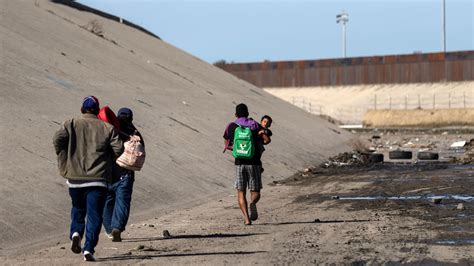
(243,147)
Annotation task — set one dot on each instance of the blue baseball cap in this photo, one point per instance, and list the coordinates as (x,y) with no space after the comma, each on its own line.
(90,103)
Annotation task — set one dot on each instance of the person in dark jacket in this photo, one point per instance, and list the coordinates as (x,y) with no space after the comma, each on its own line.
(87,148)
(119,196)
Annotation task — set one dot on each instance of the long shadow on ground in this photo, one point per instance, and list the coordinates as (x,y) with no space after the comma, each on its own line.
(218,235)
(317,221)
(146,256)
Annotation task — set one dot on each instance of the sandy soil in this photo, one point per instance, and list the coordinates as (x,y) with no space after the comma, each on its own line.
(311,217)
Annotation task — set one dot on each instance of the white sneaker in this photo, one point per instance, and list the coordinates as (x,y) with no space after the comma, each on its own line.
(109,235)
(88,256)
(76,243)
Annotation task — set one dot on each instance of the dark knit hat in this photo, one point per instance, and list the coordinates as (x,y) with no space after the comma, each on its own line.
(125,114)
(90,103)
(241,110)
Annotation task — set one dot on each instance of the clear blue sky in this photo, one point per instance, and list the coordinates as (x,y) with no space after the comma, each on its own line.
(252,31)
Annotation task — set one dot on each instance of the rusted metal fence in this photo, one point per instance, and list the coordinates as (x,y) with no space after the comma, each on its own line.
(414,68)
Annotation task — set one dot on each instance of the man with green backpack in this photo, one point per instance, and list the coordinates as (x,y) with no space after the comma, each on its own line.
(241,136)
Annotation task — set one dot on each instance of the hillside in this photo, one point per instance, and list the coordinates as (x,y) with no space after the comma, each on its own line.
(51,59)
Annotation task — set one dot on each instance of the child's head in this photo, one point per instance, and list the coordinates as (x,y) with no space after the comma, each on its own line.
(266,121)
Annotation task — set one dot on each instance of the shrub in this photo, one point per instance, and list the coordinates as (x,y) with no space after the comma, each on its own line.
(95,27)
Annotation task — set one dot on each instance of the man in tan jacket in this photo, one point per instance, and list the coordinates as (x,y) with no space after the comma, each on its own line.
(87,148)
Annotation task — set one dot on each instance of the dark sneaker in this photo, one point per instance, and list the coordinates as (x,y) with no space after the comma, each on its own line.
(88,256)
(76,243)
(116,235)
(253,211)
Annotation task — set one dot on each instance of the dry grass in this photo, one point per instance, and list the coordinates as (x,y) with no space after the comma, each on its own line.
(95,27)
(419,118)
(359,145)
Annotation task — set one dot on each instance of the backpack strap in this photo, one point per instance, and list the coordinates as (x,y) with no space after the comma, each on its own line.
(227,141)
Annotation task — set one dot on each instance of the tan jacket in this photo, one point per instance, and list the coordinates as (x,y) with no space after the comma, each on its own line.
(87,148)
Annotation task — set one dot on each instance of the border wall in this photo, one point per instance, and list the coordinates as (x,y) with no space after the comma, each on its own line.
(390,69)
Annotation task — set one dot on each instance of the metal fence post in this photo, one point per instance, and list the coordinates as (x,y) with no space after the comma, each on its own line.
(434,101)
(419,101)
(464,99)
(375,101)
(406,102)
(390,102)
(449,100)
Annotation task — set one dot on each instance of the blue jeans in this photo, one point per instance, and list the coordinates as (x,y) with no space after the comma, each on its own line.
(87,202)
(117,205)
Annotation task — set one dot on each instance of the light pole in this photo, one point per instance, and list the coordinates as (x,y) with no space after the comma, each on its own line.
(343,18)
(444,26)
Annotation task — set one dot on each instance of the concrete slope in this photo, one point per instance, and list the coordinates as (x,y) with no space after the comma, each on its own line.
(50,61)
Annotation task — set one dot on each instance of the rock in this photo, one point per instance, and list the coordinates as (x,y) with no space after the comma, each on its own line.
(317,220)
(307,170)
(140,247)
(62,248)
(166,234)
(461,206)
(436,200)
(335,197)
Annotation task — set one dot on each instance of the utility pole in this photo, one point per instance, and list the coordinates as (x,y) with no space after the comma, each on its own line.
(444,26)
(343,18)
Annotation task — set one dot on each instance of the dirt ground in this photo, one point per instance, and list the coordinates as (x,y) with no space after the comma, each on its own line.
(384,213)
